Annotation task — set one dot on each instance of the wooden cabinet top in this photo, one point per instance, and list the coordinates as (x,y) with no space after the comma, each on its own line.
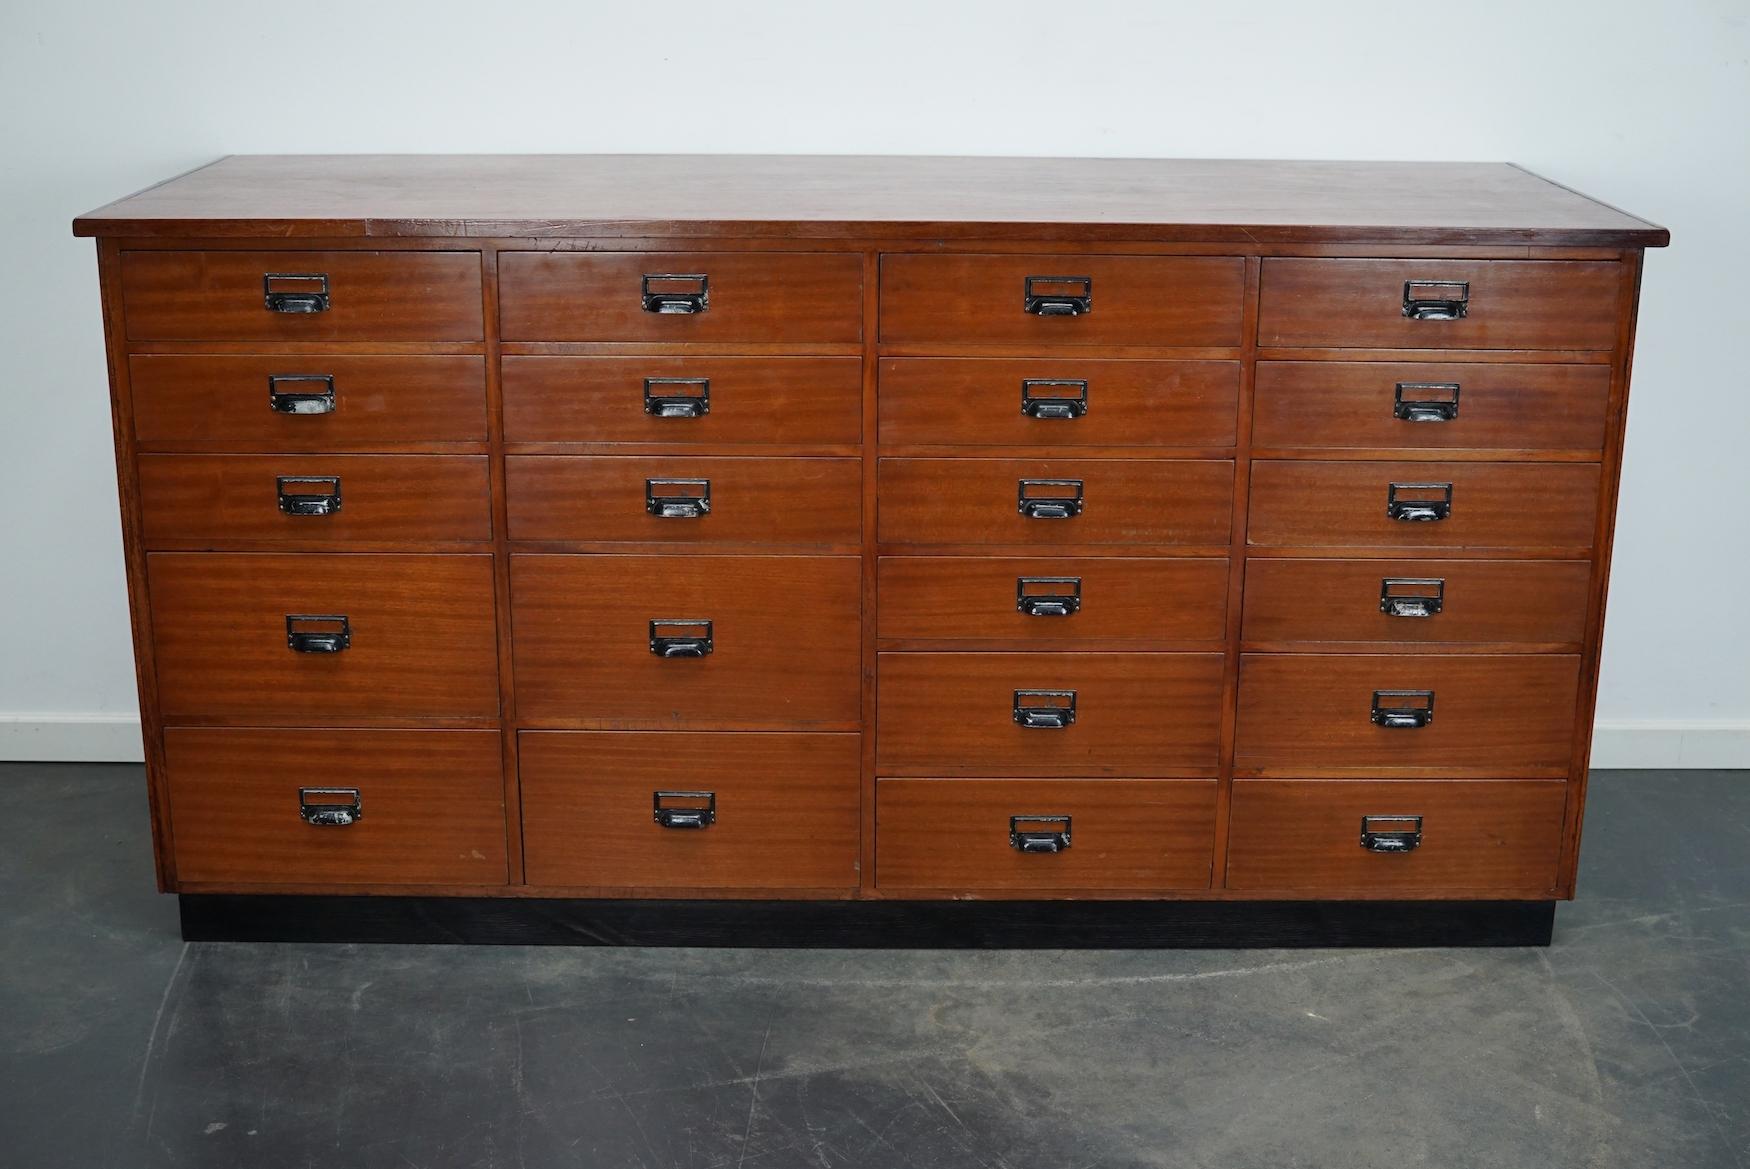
(870,198)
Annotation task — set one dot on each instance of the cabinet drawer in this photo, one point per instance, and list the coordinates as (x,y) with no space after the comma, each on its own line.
(302,296)
(974,835)
(1481,505)
(683,399)
(1329,714)
(802,501)
(314,500)
(1413,304)
(1025,300)
(1451,601)
(1306,838)
(429,807)
(306,403)
(1146,714)
(1052,600)
(1340,404)
(1071,403)
(419,632)
(1137,502)
(632,809)
(787,297)
(784,634)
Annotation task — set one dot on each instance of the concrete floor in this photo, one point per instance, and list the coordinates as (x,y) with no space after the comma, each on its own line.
(1625,1044)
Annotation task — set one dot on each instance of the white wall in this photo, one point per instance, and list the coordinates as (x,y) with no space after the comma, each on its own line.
(1640,104)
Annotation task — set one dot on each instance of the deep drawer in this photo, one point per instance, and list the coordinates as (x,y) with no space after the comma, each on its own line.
(632,809)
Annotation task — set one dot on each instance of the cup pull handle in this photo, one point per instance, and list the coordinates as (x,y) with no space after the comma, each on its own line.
(684,809)
(1425,401)
(324,500)
(1057,712)
(677,499)
(663,399)
(1412,596)
(303,397)
(1436,300)
(1418,503)
(1391,833)
(674,638)
(1402,709)
(1054,398)
(318,633)
(676,293)
(1058,296)
(1039,834)
(298,293)
(1048,596)
(330,807)
(1049,499)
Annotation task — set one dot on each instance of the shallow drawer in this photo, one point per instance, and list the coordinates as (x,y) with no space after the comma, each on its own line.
(683,499)
(683,399)
(1340,404)
(302,296)
(1330,714)
(1053,600)
(294,638)
(1056,502)
(1455,506)
(1052,301)
(1048,714)
(1069,403)
(765,641)
(632,809)
(314,500)
(788,297)
(1451,601)
(329,807)
(306,403)
(1446,839)
(1044,836)
(1440,304)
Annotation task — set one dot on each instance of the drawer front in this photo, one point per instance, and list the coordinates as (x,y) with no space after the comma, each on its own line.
(1492,505)
(963,714)
(1342,405)
(1056,403)
(798,501)
(952,835)
(219,500)
(779,297)
(1122,300)
(1506,304)
(1136,502)
(1041,601)
(1315,714)
(426,807)
(785,641)
(420,636)
(302,296)
(1306,838)
(683,399)
(306,403)
(632,809)
(1450,601)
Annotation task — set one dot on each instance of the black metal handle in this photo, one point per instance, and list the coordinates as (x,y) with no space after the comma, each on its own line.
(1436,300)
(325,500)
(1048,596)
(676,293)
(306,399)
(677,499)
(1402,710)
(675,638)
(1412,596)
(1053,397)
(1046,499)
(1391,833)
(295,292)
(1058,296)
(1427,401)
(684,809)
(318,633)
(1039,833)
(1055,714)
(662,398)
(1418,503)
(330,807)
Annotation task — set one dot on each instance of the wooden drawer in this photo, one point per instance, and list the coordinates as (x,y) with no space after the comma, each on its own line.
(797,501)
(785,641)
(954,835)
(1343,404)
(423,636)
(683,399)
(1133,300)
(1509,304)
(226,500)
(1137,502)
(1053,600)
(429,804)
(1148,714)
(780,811)
(1432,601)
(1303,838)
(773,297)
(1058,403)
(1307,503)
(284,402)
(372,296)
(1495,714)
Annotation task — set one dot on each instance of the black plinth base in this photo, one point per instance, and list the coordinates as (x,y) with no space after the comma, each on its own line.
(971,925)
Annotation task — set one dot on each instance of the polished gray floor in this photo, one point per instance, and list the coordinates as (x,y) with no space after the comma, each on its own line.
(1627,1043)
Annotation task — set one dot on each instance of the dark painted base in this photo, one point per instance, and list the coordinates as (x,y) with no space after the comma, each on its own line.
(886,925)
